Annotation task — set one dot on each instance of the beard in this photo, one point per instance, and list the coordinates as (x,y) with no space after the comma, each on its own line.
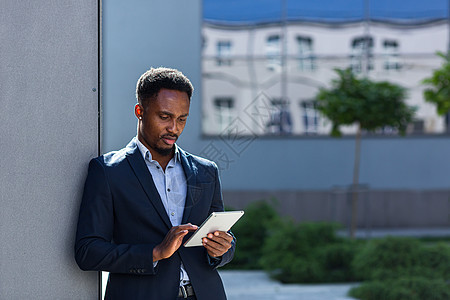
(164,151)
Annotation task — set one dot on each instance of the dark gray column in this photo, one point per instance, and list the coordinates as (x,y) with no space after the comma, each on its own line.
(49,131)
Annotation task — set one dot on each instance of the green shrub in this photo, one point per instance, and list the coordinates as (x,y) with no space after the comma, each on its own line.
(437,259)
(394,268)
(391,258)
(373,290)
(431,289)
(402,268)
(336,261)
(251,232)
(406,288)
(308,252)
(386,257)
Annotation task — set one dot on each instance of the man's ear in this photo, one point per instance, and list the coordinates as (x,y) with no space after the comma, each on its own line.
(138,111)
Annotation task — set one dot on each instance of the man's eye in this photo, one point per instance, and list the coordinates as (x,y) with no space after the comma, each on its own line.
(182,120)
(164,117)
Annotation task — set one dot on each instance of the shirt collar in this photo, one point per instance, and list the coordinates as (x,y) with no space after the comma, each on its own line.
(144,151)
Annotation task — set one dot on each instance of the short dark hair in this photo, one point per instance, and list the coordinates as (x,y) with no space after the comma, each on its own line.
(152,81)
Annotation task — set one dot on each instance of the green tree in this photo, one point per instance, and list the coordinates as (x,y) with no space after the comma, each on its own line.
(438,91)
(368,104)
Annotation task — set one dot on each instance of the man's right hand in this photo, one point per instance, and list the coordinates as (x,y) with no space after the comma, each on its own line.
(172,241)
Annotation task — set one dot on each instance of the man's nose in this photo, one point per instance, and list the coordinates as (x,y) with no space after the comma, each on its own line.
(172,126)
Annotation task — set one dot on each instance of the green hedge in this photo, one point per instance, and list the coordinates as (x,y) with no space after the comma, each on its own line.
(404,288)
(402,268)
(382,258)
(308,252)
(251,231)
(311,252)
(390,257)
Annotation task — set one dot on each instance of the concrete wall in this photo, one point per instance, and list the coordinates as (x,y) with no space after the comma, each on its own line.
(49,131)
(376,209)
(409,163)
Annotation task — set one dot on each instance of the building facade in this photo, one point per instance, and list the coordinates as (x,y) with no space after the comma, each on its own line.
(263,64)
(289,62)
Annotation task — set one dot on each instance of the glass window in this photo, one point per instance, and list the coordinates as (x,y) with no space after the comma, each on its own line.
(273,52)
(391,55)
(280,118)
(224,53)
(305,53)
(362,47)
(224,112)
(310,116)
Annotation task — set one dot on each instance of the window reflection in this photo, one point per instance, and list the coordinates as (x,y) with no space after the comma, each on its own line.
(362,54)
(224,53)
(305,53)
(273,52)
(289,60)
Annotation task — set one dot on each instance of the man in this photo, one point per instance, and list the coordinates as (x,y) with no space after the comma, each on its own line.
(140,202)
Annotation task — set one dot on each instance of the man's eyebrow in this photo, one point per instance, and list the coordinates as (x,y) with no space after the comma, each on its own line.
(163,112)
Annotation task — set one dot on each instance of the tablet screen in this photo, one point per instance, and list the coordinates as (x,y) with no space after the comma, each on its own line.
(221,221)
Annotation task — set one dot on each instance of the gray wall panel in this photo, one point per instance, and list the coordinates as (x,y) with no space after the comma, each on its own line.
(414,163)
(49,130)
(376,208)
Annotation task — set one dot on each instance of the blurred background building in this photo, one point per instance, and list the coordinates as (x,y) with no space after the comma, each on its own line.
(257,66)
(288,50)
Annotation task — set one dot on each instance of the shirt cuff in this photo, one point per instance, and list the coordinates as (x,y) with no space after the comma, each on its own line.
(213,261)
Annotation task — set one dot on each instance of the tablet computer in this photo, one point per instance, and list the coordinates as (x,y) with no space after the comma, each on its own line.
(221,221)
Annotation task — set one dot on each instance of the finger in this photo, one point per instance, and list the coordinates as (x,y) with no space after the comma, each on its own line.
(221,242)
(177,238)
(224,235)
(221,237)
(188,226)
(183,232)
(212,250)
(174,236)
(220,245)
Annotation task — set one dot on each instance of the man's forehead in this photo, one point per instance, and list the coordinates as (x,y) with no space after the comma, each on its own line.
(171,105)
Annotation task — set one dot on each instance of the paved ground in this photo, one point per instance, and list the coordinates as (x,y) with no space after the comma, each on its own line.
(250,285)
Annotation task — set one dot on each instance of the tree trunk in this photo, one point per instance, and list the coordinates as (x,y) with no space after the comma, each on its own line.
(355,186)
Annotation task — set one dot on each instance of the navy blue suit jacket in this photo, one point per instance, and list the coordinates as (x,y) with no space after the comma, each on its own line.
(122,219)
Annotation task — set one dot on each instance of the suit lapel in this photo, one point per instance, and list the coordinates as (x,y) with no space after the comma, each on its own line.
(193,191)
(142,173)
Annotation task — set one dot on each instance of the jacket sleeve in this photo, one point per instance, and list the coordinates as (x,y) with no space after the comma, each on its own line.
(94,248)
(217,205)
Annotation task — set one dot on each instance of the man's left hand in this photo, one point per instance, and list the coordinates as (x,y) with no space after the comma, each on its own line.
(217,243)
